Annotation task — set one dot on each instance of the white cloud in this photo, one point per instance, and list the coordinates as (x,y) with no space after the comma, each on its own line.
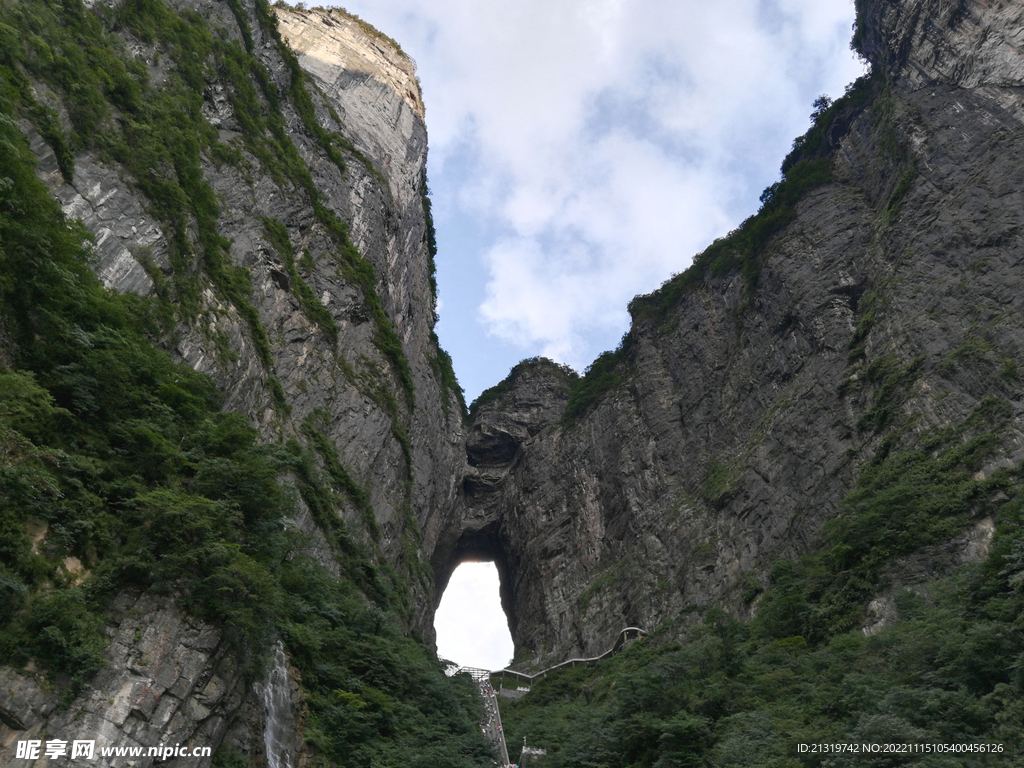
(605,142)
(471,628)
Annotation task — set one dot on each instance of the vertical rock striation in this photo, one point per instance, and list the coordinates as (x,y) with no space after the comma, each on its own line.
(397,434)
(722,435)
(743,404)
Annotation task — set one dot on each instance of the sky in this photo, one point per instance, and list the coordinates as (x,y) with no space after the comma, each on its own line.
(583,151)
(471,628)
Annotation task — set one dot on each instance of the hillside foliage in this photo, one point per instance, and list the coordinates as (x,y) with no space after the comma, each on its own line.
(124,460)
(734,694)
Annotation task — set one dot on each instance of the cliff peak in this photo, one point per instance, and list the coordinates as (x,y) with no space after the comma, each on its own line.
(333,44)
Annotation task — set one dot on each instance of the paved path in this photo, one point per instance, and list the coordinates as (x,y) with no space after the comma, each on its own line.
(492,716)
(492,722)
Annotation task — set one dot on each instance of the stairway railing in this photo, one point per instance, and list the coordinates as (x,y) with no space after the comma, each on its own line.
(627,634)
(483,677)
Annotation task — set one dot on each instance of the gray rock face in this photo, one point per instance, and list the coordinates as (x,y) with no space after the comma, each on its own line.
(738,427)
(170,680)
(483,523)
(732,434)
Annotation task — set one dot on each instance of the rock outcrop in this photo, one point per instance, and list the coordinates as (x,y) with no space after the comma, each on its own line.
(742,413)
(170,681)
(720,438)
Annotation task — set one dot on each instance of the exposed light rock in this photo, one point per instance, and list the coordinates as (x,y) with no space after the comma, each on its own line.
(332,45)
(914,572)
(737,429)
(732,434)
(169,680)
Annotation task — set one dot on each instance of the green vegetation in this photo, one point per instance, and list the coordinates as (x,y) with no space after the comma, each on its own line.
(123,455)
(892,388)
(353,266)
(902,187)
(311,306)
(745,694)
(492,394)
(160,135)
(613,575)
(894,150)
(972,353)
(431,239)
(603,375)
(859,27)
(719,480)
(904,499)
(374,697)
(441,365)
(111,453)
(313,428)
(947,673)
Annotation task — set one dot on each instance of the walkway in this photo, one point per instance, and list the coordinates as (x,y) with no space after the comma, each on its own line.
(626,635)
(492,723)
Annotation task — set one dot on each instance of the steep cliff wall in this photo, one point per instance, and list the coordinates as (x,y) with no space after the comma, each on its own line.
(381,404)
(866,325)
(864,309)
(271,202)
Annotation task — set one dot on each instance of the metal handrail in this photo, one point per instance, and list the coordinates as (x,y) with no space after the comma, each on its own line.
(624,635)
(482,676)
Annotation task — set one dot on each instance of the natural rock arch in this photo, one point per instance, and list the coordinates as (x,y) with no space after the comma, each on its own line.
(484,544)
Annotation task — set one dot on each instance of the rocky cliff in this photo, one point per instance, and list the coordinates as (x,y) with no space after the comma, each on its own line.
(356,357)
(859,313)
(270,203)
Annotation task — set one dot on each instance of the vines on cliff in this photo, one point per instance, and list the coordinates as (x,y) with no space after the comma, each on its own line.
(114,456)
(353,265)
(160,135)
(743,251)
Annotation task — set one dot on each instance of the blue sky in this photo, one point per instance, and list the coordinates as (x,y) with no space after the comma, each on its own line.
(583,151)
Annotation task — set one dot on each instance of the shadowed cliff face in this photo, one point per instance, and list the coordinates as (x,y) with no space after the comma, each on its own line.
(482,526)
(319,206)
(743,413)
(731,425)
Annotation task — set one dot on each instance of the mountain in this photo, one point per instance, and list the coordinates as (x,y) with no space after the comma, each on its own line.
(869,313)
(238,471)
(252,184)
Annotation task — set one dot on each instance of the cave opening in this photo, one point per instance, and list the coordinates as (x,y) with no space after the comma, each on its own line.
(471,625)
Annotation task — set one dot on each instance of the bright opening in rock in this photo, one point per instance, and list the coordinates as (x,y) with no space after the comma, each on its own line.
(472,629)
